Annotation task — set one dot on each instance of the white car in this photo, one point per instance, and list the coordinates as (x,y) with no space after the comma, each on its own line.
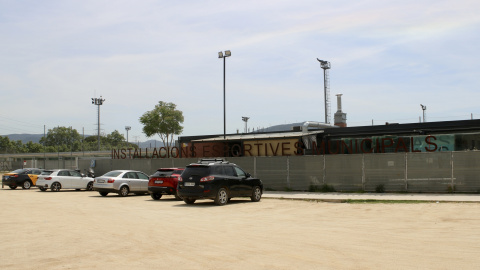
(121,182)
(63,179)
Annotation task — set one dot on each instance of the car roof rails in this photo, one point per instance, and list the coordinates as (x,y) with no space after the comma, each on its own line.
(212,160)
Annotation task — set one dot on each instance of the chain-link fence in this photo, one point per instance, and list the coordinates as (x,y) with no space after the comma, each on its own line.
(389,172)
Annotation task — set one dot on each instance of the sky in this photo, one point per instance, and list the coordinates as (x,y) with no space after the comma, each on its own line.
(387,58)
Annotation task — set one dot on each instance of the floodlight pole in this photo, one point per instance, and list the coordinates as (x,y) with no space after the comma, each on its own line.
(424,108)
(98,102)
(220,55)
(127,128)
(245,119)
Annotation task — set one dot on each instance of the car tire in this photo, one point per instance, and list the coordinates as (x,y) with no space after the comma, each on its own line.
(12,187)
(123,191)
(27,184)
(42,189)
(103,193)
(256,194)
(189,200)
(156,196)
(56,187)
(90,186)
(222,197)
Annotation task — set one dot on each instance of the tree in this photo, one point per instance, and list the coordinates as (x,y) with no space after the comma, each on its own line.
(164,120)
(63,138)
(115,138)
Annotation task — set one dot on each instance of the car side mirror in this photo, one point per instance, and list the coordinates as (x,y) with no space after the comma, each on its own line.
(248,175)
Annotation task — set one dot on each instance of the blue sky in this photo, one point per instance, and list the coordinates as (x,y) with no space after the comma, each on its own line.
(387,58)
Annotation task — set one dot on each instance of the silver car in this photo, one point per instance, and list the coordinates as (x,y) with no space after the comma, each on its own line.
(121,182)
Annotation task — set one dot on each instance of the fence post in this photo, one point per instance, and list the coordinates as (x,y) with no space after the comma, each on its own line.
(363,172)
(451,163)
(324,169)
(288,171)
(406,171)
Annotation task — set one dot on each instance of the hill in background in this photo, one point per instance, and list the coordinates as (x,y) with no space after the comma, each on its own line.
(35,138)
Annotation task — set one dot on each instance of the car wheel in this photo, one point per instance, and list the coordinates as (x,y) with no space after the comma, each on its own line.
(42,189)
(13,187)
(256,194)
(189,200)
(90,186)
(156,196)
(27,184)
(222,197)
(123,192)
(103,193)
(56,186)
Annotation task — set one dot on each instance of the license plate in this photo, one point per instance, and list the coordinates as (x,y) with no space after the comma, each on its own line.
(100,181)
(159,182)
(189,184)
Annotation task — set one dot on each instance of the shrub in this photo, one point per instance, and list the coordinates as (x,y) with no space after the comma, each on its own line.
(380,188)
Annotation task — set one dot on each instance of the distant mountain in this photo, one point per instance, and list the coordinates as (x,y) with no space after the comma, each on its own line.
(25,138)
(35,138)
(151,144)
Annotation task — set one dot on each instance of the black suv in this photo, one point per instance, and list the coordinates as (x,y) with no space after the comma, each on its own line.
(218,180)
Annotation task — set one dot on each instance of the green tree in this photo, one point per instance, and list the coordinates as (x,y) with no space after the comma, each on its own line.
(32,147)
(164,120)
(115,138)
(64,139)
(5,144)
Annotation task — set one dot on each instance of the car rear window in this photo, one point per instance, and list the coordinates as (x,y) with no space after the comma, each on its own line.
(163,173)
(20,171)
(201,171)
(113,174)
(47,172)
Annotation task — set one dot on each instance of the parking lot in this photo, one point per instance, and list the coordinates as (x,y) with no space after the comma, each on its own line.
(82,230)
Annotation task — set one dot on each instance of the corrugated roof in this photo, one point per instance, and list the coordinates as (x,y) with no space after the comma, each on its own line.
(259,136)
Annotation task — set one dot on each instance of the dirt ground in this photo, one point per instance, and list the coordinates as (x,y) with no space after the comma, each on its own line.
(82,230)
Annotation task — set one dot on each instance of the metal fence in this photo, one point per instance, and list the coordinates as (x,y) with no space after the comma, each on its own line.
(389,172)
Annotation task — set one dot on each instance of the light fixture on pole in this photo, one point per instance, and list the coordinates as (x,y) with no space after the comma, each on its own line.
(127,128)
(424,108)
(220,55)
(245,119)
(98,102)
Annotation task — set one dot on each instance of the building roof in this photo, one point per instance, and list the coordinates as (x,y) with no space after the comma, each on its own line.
(258,136)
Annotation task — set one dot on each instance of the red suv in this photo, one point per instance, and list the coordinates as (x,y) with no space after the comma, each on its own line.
(164,181)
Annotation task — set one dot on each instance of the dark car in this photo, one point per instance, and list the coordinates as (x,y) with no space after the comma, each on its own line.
(24,178)
(218,180)
(164,182)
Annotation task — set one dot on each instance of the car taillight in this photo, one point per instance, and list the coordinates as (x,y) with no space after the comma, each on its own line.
(110,180)
(48,178)
(207,178)
(15,175)
(180,179)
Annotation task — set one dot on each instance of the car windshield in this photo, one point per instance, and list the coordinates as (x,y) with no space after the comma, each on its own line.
(113,174)
(20,171)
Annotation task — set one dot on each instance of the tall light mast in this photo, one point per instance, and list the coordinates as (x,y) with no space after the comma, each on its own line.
(98,102)
(325,65)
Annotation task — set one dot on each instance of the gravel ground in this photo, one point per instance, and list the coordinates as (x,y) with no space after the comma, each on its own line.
(82,230)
